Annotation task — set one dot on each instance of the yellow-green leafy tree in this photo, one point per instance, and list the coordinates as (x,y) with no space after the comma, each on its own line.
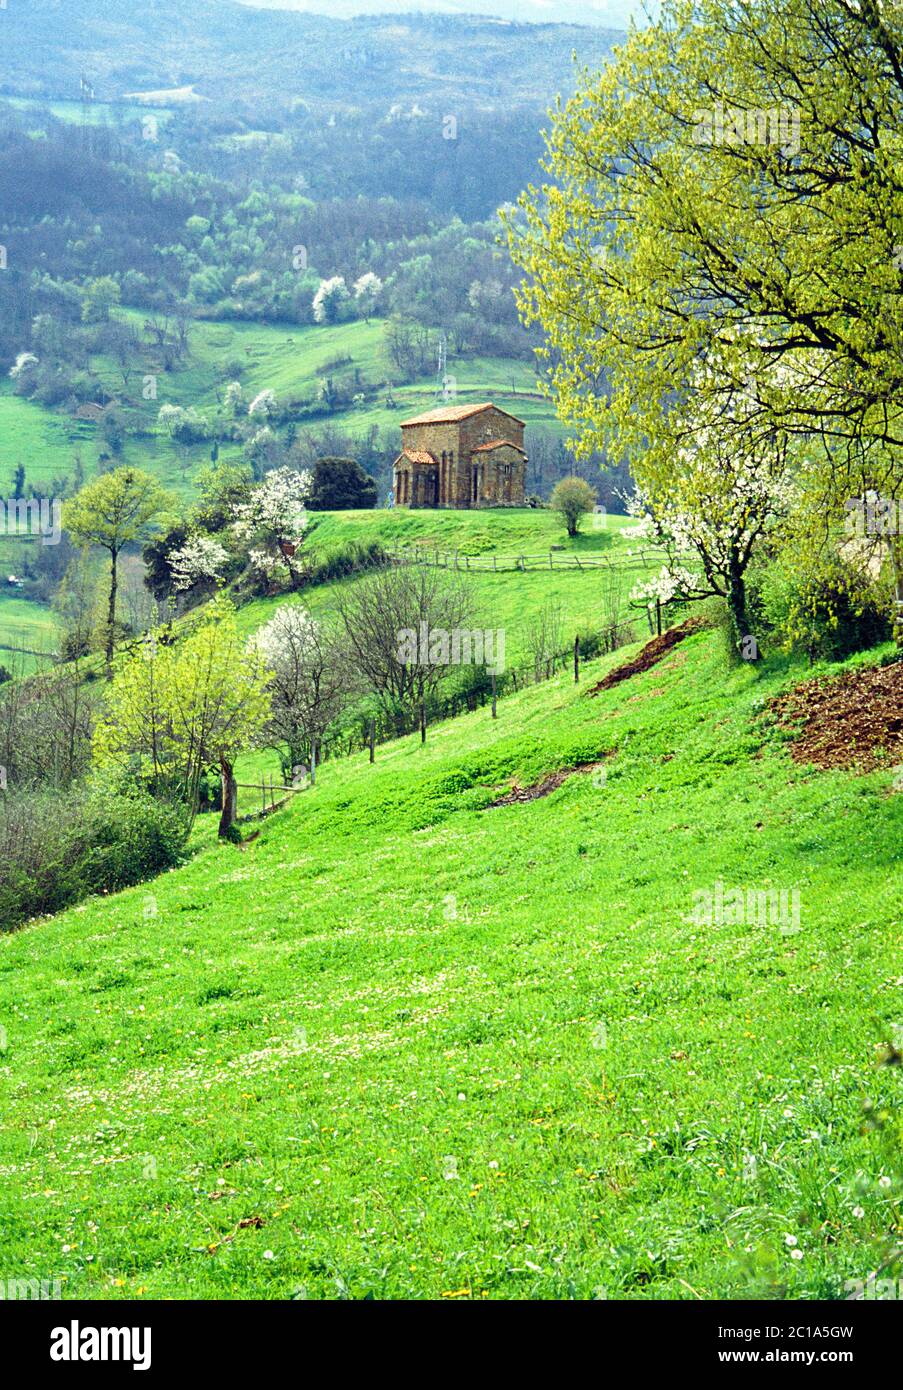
(173,711)
(110,512)
(730,190)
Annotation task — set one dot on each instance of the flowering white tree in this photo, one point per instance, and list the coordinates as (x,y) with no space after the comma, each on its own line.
(309,680)
(329,298)
(23,365)
(731,485)
(367,291)
(263,405)
(234,397)
(263,450)
(273,520)
(188,426)
(201,559)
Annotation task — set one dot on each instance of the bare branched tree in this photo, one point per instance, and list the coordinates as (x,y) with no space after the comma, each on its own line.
(384,613)
(543,637)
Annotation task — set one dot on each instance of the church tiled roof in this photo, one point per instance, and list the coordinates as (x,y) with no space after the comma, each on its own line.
(497,444)
(448,414)
(417,456)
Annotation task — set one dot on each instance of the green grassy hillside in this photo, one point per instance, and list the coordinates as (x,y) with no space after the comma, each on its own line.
(507,599)
(289,360)
(408,1045)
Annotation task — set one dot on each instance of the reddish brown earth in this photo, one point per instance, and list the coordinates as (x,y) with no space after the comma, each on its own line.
(649,656)
(544,787)
(853,721)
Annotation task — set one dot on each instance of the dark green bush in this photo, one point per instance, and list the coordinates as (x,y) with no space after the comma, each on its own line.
(828,612)
(59,847)
(126,840)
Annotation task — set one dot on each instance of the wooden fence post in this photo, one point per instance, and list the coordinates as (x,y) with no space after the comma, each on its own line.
(423,722)
(494,693)
(658,617)
(373,740)
(577,659)
(313,762)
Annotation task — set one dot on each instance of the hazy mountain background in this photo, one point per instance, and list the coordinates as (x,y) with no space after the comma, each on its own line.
(616,13)
(226,51)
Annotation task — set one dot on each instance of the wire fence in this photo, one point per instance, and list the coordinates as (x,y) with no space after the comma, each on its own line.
(553,560)
(487,689)
(381,726)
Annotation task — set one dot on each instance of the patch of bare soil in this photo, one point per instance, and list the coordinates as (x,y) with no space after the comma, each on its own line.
(650,656)
(853,721)
(543,788)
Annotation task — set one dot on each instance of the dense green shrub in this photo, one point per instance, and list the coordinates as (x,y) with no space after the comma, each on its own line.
(340,484)
(827,612)
(345,560)
(127,839)
(59,847)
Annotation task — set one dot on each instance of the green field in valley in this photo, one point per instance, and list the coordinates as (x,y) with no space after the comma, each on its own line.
(289,360)
(93,113)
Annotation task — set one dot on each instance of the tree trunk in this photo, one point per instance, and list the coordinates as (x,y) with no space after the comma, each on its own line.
(896,550)
(111,611)
(736,603)
(227,819)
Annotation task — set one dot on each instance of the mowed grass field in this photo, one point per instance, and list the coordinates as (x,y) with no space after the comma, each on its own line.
(407,1045)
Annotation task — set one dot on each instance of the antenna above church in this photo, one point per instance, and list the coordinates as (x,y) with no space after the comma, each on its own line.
(442,371)
(87,96)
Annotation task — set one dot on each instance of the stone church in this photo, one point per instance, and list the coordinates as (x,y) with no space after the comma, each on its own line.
(461,456)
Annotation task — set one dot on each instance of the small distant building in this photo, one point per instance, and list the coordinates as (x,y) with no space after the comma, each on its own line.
(461,456)
(91,411)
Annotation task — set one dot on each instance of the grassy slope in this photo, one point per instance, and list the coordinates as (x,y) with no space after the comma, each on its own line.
(27,634)
(508,599)
(444,1050)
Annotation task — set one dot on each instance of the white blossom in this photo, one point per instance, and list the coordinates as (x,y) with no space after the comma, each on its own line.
(200,558)
(263,405)
(329,296)
(274,518)
(25,362)
(368,289)
(289,634)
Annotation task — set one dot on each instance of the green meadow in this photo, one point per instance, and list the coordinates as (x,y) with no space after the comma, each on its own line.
(289,360)
(28,634)
(405,1044)
(94,113)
